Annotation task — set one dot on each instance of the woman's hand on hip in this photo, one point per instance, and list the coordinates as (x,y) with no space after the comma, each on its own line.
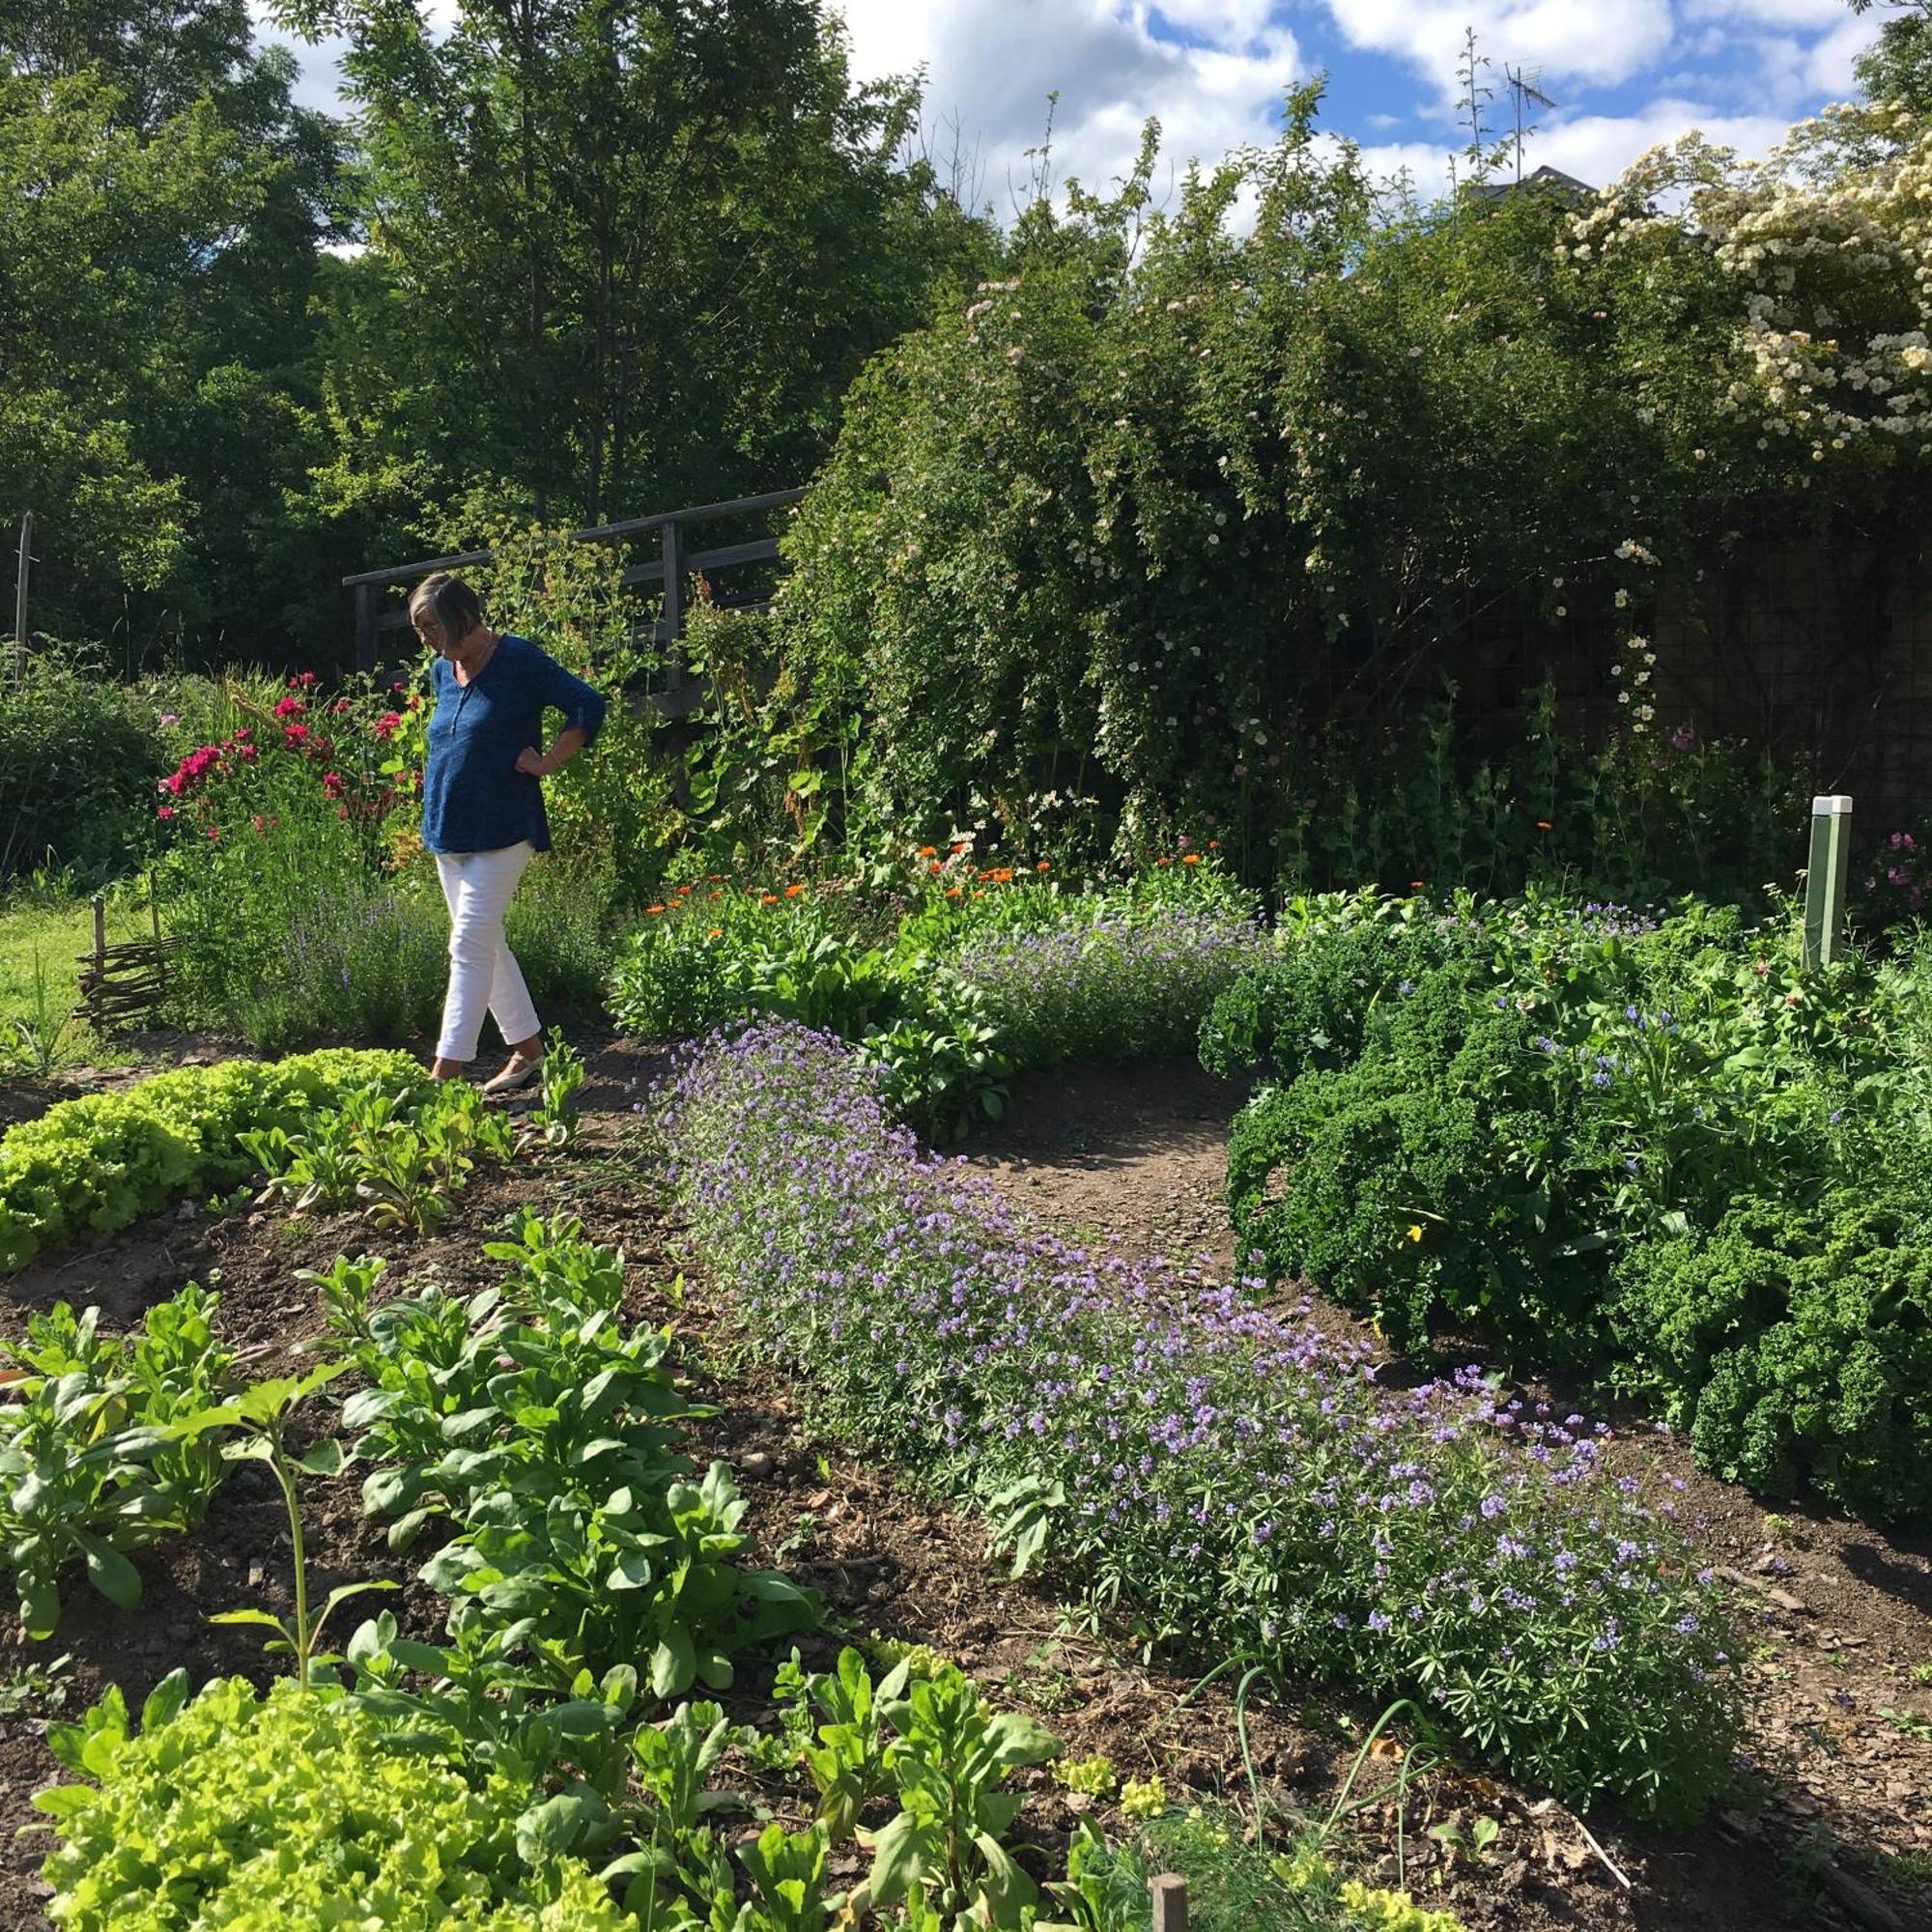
(533,763)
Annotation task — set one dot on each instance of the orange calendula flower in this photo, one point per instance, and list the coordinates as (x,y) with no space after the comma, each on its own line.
(768,898)
(953,891)
(717,896)
(928,851)
(793,891)
(716,932)
(1415,885)
(654,911)
(957,847)
(1042,866)
(1213,845)
(1544,825)
(1192,859)
(978,895)
(935,866)
(1163,862)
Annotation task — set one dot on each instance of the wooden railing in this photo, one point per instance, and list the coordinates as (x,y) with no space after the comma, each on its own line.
(675,562)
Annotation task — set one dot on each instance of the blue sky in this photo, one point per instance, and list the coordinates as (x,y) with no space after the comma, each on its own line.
(1624,73)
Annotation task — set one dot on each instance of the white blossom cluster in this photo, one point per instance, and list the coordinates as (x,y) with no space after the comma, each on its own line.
(1832,269)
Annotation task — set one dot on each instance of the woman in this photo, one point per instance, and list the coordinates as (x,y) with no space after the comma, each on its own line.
(483,810)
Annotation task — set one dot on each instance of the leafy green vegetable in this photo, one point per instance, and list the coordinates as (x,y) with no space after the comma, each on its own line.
(297,1809)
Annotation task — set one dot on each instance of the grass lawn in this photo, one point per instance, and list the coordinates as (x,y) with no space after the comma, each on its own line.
(43,937)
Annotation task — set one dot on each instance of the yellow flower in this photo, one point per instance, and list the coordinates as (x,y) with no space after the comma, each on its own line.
(1416,1230)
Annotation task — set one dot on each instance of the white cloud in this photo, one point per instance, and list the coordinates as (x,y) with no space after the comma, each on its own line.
(1595,148)
(1817,14)
(1830,71)
(1602,44)
(993,63)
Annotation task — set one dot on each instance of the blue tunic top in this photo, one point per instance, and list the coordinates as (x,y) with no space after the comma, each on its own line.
(474,797)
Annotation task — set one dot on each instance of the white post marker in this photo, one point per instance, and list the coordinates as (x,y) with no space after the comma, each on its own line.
(1825,880)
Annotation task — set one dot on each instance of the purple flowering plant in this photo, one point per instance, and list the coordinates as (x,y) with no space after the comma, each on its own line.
(1220,1471)
(1111,987)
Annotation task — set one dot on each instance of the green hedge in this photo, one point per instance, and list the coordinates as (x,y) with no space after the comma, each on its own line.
(103,1161)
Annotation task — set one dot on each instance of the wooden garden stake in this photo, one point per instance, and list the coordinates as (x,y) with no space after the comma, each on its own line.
(1170,1903)
(1825,880)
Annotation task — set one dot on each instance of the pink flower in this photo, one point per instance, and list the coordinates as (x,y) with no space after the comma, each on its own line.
(389,725)
(304,680)
(289,707)
(164,812)
(331,784)
(295,736)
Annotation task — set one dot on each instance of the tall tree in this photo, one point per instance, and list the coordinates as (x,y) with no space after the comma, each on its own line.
(1899,65)
(619,252)
(163,209)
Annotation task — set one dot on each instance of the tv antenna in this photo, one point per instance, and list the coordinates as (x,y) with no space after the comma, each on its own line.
(1526,93)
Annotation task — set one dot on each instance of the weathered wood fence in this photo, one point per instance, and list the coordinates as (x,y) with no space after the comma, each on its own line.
(127,981)
(378,610)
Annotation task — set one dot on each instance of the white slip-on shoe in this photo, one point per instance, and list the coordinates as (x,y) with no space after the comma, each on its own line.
(514,1077)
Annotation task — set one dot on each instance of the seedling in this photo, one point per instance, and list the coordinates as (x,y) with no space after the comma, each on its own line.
(264,1412)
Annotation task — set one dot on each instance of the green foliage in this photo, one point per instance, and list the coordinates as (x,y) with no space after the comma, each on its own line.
(989,968)
(1795,1345)
(1657,1152)
(296,1807)
(771,766)
(706,959)
(95,1459)
(164,206)
(80,754)
(1311,1012)
(542,1433)
(1418,1188)
(552,1120)
(400,1155)
(666,298)
(952,1756)
(260,1415)
(102,1161)
(1069,525)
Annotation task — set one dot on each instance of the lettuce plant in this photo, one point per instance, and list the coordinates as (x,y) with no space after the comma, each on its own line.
(297,1808)
(100,1162)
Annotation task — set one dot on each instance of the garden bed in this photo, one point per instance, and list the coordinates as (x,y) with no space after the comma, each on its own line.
(1132,1158)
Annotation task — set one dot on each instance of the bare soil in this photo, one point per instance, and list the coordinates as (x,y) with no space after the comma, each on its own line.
(1831,1821)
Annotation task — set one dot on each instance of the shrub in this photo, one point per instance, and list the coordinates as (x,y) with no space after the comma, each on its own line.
(1177,524)
(1796,1345)
(80,754)
(103,1161)
(1618,1145)
(1312,1010)
(1115,988)
(297,1808)
(1428,1187)
(1225,1471)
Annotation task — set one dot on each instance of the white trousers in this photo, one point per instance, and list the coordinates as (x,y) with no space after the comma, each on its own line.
(483,971)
